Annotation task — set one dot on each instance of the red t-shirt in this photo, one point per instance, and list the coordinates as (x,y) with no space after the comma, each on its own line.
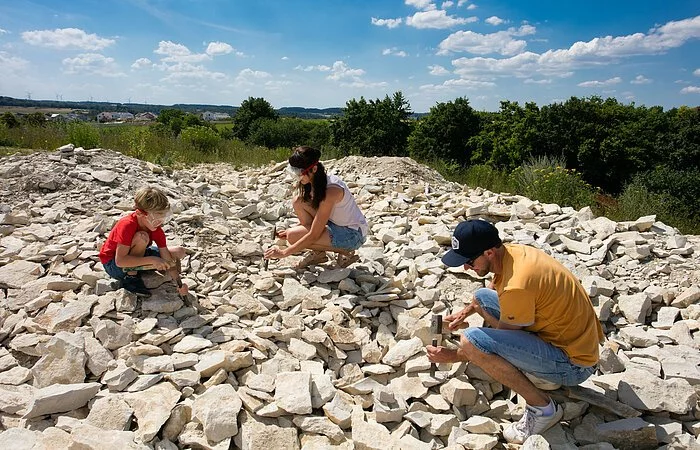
(123,233)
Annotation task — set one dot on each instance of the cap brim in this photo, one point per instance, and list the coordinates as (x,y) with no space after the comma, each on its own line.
(453,259)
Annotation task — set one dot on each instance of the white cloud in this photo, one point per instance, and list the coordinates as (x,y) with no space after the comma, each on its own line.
(436,19)
(462,2)
(544,81)
(456,85)
(641,79)
(482,44)
(494,20)
(185,70)
(596,83)
(65,38)
(10,64)
(178,53)
(218,48)
(91,63)
(438,70)
(341,70)
(250,73)
(142,63)
(4,31)
(320,68)
(447,4)
(285,58)
(394,51)
(691,90)
(584,54)
(364,84)
(389,23)
(696,72)
(425,5)
(471,7)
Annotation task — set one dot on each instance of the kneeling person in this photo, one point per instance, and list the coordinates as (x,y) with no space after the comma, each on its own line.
(539,317)
(128,248)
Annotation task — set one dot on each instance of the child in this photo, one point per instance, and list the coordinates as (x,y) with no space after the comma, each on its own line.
(128,249)
(329,217)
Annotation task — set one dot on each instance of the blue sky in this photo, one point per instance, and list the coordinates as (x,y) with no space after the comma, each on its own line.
(323,53)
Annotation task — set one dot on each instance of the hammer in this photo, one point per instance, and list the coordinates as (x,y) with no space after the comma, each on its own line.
(274,233)
(436,330)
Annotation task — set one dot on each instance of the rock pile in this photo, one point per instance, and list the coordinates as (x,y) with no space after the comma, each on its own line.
(321,358)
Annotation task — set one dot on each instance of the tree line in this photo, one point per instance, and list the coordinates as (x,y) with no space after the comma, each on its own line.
(648,154)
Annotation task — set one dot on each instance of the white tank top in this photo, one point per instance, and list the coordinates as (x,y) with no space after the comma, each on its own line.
(346,213)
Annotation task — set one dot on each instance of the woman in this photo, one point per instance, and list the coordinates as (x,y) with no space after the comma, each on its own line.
(329,217)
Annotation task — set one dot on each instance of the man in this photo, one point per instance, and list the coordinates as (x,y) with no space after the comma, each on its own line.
(539,321)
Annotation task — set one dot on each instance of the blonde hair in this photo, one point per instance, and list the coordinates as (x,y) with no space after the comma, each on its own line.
(151,199)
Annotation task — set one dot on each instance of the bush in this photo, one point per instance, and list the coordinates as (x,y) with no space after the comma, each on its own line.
(202,138)
(547,180)
(83,135)
(9,120)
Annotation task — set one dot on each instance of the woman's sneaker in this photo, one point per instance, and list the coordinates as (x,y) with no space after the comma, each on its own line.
(532,422)
(134,284)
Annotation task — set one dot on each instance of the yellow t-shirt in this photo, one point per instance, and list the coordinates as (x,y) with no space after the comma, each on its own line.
(537,292)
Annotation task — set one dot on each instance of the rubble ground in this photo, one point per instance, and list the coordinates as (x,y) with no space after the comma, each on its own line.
(323,358)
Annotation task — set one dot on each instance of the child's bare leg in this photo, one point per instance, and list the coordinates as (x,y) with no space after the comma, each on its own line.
(138,246)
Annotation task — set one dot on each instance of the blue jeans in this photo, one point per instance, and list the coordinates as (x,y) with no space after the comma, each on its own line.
(523,349)
(345,238)
(114,271)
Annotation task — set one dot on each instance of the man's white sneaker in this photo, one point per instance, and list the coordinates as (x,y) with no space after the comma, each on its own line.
(531,423)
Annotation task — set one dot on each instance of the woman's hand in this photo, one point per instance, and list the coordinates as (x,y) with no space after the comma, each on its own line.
(457,320)
(274,253)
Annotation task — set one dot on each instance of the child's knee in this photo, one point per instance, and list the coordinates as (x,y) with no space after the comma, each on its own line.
(141,238)
(178,252)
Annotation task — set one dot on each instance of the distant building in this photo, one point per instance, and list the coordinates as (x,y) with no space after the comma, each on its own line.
(145,117)
(106,116)
(213,116)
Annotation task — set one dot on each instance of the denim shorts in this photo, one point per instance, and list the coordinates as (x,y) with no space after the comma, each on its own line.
(523,349)
(119,273)
(345,238)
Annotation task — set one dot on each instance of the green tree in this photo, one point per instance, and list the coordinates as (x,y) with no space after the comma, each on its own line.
(377,127)
(36,119)
(251,110)
(9,120)
(445,133)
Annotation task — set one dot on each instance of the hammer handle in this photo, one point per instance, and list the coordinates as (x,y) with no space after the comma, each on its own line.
(433,366)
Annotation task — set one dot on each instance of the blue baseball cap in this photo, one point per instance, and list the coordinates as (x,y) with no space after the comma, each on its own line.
(469,240)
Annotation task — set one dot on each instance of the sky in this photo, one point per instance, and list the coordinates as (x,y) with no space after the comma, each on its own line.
(322,53)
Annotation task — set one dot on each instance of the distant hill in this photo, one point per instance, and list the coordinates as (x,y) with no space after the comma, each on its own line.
(96,107)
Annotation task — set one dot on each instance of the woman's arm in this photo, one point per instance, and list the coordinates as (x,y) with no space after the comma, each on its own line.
(318,226)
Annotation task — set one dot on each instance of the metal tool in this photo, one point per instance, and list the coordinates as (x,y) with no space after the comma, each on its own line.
(274,234)
(436,330)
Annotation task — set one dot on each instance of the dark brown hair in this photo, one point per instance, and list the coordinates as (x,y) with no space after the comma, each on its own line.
(315,192)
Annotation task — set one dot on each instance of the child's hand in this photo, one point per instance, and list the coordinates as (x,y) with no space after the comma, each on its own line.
(282,234)
(159,263)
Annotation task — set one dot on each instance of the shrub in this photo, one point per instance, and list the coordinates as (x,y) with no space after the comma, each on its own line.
(202,138)
(547,180)
(9,120)
(83,135)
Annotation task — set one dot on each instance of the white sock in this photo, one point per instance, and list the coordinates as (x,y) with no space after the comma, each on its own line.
(545,410)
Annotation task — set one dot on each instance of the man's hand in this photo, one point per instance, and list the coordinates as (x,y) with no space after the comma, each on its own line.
(274,253)
(457,320)
(159,263)
(442,354)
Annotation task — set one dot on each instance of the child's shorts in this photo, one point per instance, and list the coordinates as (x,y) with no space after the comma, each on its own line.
(345,238)
(119,273)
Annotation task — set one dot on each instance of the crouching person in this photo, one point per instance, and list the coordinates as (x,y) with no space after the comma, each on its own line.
(128,249)
(539,321)
(329,217)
